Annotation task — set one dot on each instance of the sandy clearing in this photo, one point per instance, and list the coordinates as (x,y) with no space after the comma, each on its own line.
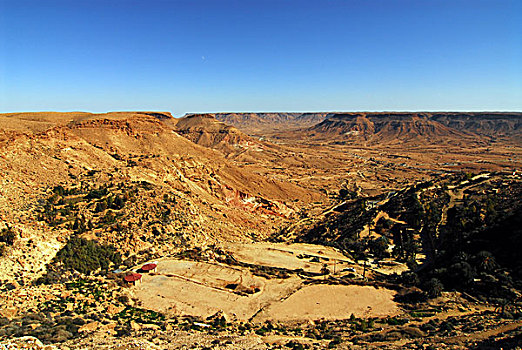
(286,255)
(332,302)
(199,289)
(212,275)
(183,287)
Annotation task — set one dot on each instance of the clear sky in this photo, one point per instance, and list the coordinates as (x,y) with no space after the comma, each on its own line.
(260,55)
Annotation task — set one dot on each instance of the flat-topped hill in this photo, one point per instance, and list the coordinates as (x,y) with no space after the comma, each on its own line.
(207,131)
(470,122)
(259,123)
(41,121)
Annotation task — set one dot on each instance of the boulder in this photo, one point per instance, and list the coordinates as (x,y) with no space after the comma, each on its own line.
(9,312)
(89,327)
(135,326)
(112,309)
(109,328)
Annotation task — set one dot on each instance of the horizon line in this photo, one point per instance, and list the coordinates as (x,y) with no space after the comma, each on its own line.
(264,111)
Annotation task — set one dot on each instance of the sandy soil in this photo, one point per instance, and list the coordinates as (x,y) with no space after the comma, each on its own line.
(333,302)
(200,289)
(211,275)
(388,269)
(183,287)
(289,256)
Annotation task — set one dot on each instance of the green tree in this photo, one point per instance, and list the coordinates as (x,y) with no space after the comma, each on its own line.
(434,288)
(85,255)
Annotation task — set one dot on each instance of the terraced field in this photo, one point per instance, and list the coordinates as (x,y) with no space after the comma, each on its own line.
(183,287)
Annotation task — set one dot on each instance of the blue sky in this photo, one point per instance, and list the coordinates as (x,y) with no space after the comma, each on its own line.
(262,55)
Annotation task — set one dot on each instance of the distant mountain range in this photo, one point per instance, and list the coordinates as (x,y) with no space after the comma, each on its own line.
(382,126)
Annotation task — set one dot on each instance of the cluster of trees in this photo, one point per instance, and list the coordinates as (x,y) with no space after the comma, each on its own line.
(48,213)
(477,250)
(360,249)
(341,228)
(86,256)
(62,191)
(58,209)
(57,204)
(473,246)
(97,193)
(81,225)
(406,246)
(111,202)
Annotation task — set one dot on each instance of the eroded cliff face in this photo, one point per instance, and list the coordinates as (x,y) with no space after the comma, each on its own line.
(491,124)
(381,126)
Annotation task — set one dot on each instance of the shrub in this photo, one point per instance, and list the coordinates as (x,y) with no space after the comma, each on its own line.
(7,236)
(108,218)
(100,206)
(118,203)
(96,193)
(295,345)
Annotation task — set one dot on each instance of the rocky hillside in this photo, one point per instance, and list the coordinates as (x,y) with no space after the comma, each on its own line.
(490,124)
(60,174)
(87,199)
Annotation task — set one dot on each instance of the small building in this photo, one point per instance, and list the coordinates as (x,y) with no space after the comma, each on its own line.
(134,278)
(150,267)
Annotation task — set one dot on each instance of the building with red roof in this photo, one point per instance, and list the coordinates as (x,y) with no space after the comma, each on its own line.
(133,278)
(149,267)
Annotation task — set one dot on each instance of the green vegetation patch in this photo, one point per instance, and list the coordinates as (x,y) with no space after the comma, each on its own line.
(86,256)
